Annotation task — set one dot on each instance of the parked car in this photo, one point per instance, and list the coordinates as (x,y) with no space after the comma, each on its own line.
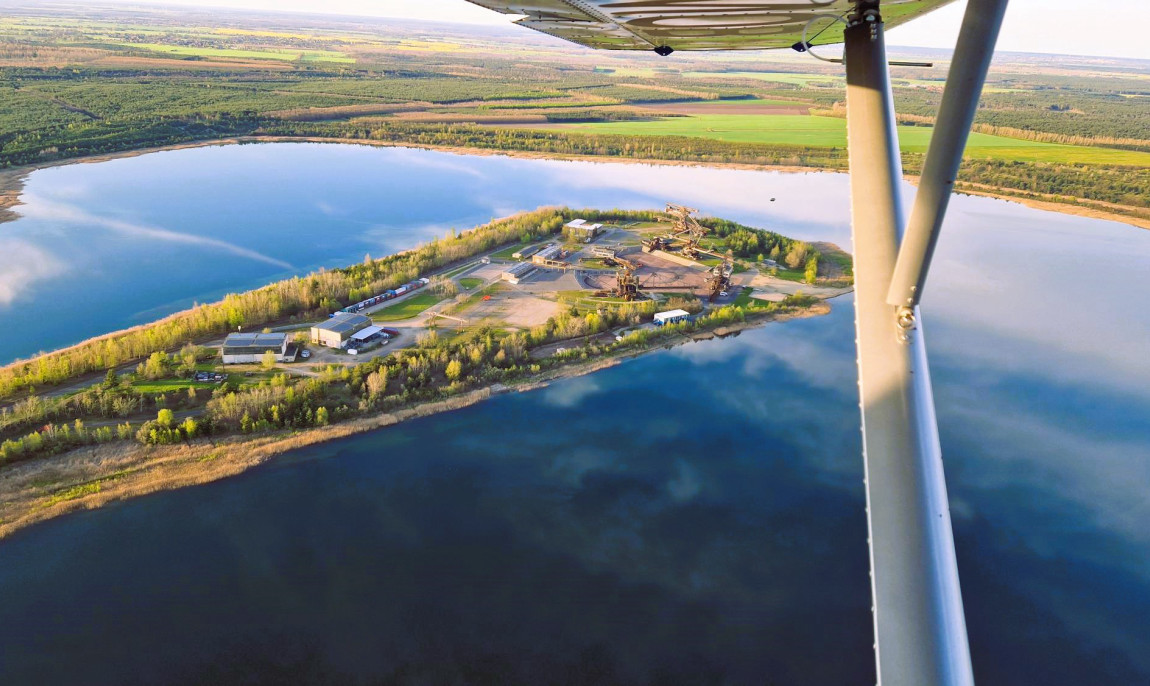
(305,354)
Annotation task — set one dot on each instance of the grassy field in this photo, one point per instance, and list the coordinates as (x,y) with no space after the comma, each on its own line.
(744,299)
(407,309)
(506,253)
(789,275)
(169,385)
(469,282)
(830,132)
(475,298)
(458,270)
(269,54)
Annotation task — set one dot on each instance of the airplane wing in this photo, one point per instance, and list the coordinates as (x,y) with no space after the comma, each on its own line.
(694,24)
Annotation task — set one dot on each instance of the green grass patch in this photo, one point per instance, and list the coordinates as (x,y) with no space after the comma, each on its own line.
(842,259)
(469,282)
(214,455)
(459,270)
(506,253)
(169,385)
(791,275)
(585,301)
(474,298)
(72,493)
(830,132)
(407,309)
(745,301)
(271,54)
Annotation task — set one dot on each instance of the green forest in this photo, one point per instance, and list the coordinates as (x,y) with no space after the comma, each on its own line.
(72,86)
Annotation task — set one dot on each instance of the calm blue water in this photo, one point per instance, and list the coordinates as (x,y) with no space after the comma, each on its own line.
(693,516)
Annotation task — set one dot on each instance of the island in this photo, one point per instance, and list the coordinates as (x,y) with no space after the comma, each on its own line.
(508,306)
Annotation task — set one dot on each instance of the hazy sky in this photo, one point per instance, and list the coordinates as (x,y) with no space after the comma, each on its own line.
(1109,27)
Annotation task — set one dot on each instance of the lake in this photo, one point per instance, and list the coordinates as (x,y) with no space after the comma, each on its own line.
(691,516)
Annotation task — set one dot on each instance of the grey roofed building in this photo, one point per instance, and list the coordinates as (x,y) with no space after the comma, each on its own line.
(550,253)
(516,273)
(249,348)
(338,329)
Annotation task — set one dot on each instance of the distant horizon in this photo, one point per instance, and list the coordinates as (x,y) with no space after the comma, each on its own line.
(1032,26)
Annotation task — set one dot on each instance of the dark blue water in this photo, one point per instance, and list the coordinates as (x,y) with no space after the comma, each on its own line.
(693,516)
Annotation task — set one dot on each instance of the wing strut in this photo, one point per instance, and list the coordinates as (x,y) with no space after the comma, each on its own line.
(968,69)
(920,631)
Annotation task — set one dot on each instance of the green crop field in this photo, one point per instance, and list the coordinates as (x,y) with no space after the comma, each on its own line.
(407,309)
(830,132)
(270,54)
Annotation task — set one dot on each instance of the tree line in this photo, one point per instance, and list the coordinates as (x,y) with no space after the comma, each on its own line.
(436,368)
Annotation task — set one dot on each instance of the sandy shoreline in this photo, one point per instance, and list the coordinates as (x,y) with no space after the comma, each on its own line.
(93,476)
(12,180)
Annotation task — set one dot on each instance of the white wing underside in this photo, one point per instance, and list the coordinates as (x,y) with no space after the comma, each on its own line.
(694,24)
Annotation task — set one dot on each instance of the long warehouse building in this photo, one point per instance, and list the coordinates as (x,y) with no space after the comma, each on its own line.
(518,272)
(338,330)
(250,348)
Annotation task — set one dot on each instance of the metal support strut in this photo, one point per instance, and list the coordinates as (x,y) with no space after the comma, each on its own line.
(964,82)
(920,631)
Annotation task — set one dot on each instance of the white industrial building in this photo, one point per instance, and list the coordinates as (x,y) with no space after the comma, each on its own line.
(250,348)
(368,334)
(671,317)
(582,230)
(518,272)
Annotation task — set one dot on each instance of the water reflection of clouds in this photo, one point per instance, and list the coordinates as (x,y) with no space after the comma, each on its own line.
(571,392)
(808,354)
(48,211)
(329,210)
(22,265)
(1005,447)
(686,483)
(570,466)
(454,164)
(734,193)
(1029,290)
